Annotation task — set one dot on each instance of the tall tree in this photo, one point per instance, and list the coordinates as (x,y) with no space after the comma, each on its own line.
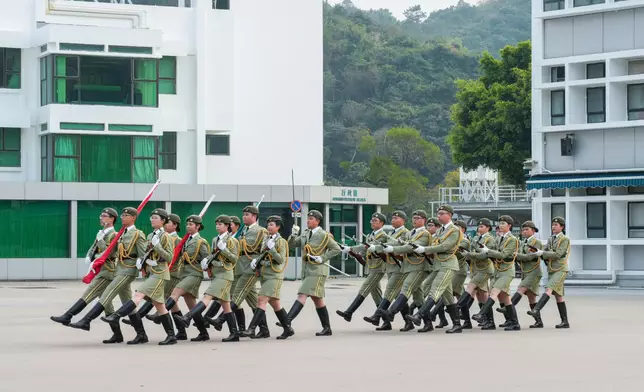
(492,116)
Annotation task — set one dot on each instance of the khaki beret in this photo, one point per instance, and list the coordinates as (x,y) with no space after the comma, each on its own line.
(251,209)
(446,207)
(235,219)
(560,220)
(225,219)
(175,218)
(433,221)
(485,221)
(130,211)
(275,219)
(380,217)
(400,214)
(531,225)
(507,219)
(110,211)
(194,219)
(461,223)
(420,213)
(316,214)
(161,212)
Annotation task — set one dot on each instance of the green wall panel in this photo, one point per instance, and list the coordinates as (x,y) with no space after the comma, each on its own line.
(88,218)
(367,211)
(34,229)
(185,209)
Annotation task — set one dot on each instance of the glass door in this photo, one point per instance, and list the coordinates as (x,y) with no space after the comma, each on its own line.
(344,234)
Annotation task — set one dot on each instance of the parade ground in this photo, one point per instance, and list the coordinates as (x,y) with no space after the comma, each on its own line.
(600,352)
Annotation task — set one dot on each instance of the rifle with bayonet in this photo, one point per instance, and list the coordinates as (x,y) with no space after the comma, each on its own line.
(146,255)
(382,256)
(353,254)
(428,258)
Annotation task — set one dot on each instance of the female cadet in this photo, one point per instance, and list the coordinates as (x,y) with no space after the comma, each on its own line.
(556,257)
(270,265)
(160,249)
(222,263)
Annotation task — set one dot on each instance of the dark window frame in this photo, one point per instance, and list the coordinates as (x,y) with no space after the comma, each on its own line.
(5,72)
(628,102)
(554,74)
(603,68)
(169,161)
(212,136)
(628,217)
(560,5)
(603,225)
(3,145)
(559,115)
(603,111)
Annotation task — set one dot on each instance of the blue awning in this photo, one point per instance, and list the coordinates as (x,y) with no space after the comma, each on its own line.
(586,180)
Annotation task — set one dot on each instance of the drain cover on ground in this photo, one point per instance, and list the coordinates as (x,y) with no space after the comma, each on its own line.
(342,284)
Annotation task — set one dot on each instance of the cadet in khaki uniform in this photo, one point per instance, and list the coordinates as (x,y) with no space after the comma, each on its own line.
(414,269)
(481,271)
(131,245)
(445,245)
(154,264)
(245,283)
(375,265)
(504,257)
(556,258)
(222,263)
(103,238)
(270,266)
(530,269)
(394,273)
(318,248)
(432,268)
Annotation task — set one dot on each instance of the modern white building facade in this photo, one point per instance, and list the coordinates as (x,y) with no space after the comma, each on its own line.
(100,98)
(588,132)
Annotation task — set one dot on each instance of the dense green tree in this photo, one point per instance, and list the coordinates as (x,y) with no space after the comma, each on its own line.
(492,118)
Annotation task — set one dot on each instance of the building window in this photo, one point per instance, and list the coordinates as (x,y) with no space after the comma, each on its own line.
(557,74)
(217,144)
(595,71)
(553,5)
(635,93)
(92,158)
(596,220)
(596,104)
(10,68)
(557,192)
(94,80)
(557,107)
(220,4)
(162,3)
(168,151)
(636,67)
(635,190)
(9,147)
(557,209)
(636,220)
(168,75)
(581,3)
(595,191)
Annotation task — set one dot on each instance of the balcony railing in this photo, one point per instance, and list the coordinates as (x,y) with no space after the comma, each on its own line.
(488,195)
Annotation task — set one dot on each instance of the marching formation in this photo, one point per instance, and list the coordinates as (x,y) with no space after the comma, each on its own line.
(426,268)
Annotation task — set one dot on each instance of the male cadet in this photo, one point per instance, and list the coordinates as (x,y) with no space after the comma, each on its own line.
(530,269)
(503,258)
(556,258)
(393,271)
(375,264)
(318,248)
(244,285)
(131,245)
(413,268)
(482,270)
(419,295)
(103,238)
(445,245)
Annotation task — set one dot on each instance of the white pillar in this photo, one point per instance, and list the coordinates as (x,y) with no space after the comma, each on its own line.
(168,207)
(327,217)
(201,38)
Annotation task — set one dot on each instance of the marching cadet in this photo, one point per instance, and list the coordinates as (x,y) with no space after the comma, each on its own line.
(98,285)
(419,296)
(530,269)
(131,244)
(504,257)
(556,258)
(154,264)
(244,286)
(222,263)
(394,274)
(445,245)
(318,248)
(481,271)
(375,263)
(414,269)
(270,266)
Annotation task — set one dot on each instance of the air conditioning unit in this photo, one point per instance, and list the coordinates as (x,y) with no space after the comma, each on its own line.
(566,146)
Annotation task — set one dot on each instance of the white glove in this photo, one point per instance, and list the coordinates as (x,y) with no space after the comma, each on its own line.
(221,245)
(485,249)
(464,253)
(346,249)
(88,260)
(253,264)
(389,249)
(91,267)
(270,243)
(295,230)
(100,235)
(139,263)
(155,240)
(318,259)
(204,264)
(420,249)
(539,252)
(151,263)
(371,248)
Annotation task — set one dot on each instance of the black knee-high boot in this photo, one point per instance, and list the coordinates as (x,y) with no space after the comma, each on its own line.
(488,305)
(388,314)
(293,312)
(123,311)
(66,317)
(89,316)
(563,313)
(375,319)
(537,319)
(282,316)
(166,321)
(423,313)
(540,304)
(347,314)
(232,327)
(323,314)
(169,304)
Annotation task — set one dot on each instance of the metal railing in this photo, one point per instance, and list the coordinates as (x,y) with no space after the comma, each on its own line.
(488,195)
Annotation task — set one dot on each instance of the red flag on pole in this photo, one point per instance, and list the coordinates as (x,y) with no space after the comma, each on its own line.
(177,249)
(98,263)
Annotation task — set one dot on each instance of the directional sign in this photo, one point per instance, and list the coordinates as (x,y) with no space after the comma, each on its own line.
(296,214)
(296,206)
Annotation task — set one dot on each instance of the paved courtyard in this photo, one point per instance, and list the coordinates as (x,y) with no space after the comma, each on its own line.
(601,351)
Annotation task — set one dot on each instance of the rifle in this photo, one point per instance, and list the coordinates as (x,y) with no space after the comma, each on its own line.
(213,255)
(428,258)
(146,255)
(179,247)
(382,256)
(357,256)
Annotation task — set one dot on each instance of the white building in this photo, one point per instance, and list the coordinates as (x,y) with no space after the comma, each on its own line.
(588,132)
(99,98)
